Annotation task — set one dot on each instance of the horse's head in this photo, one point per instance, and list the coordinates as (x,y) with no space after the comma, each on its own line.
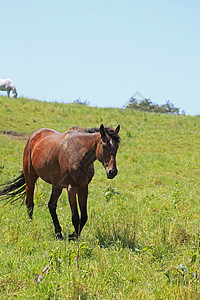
(107,149)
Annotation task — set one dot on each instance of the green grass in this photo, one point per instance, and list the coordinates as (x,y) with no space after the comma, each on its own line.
(142,239)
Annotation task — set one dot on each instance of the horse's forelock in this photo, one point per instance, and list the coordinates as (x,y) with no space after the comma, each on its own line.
(112,134)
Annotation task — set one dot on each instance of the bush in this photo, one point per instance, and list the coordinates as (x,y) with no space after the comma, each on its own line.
(148,106)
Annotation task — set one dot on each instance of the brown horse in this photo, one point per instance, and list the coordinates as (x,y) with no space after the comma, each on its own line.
(65,160)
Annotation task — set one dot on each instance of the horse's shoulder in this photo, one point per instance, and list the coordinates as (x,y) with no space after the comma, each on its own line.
(68,140)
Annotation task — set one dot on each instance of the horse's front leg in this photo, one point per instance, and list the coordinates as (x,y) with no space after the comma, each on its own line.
(8,93)
(82,200)
(75,216)
(56,192)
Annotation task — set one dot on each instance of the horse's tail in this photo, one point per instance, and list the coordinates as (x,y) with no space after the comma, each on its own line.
(13,191)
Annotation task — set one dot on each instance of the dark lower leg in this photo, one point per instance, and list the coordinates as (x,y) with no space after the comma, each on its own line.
(74,210)
(82,199)
(30,212)
(84,218)
(54,216)
(29,200)
(76,224)
(30,179)
(52,209)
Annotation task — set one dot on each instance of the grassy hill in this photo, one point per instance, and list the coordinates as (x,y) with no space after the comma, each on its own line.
(142,242)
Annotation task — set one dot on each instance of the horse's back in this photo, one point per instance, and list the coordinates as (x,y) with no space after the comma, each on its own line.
(6,83)
(43,133)
(45,137)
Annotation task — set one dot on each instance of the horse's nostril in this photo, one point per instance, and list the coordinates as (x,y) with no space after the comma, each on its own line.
(112,173)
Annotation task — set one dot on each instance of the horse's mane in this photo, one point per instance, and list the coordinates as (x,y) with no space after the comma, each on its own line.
(111,132)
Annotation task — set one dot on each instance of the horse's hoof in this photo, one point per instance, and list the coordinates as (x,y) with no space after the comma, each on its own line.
(59,236)
(30,212)
(72,237)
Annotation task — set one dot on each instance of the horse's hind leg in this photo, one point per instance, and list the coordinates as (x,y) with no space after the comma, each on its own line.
(30,186)
(56,192)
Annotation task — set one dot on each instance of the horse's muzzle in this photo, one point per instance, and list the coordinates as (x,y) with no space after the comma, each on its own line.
(111,173)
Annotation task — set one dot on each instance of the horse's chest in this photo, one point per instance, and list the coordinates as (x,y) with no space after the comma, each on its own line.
(82,172)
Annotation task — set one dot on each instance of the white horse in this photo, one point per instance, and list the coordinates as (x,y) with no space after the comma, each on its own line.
(7,85)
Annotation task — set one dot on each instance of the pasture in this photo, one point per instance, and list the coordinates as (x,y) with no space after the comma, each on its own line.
(142,238)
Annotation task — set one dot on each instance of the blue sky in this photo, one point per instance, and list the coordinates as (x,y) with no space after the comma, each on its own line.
(103,51)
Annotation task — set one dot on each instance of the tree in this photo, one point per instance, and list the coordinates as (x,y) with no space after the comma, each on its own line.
(148,106)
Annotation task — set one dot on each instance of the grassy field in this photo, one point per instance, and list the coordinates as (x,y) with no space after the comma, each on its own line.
(142,239)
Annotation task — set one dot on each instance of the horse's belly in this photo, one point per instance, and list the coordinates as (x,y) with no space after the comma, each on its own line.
(49,171)
(3,87)
(57,180)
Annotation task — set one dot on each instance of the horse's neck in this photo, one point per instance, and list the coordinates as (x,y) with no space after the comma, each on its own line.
(88,151)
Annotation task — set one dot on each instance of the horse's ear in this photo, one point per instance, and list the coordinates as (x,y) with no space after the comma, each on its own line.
(117,129)
(102,131)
